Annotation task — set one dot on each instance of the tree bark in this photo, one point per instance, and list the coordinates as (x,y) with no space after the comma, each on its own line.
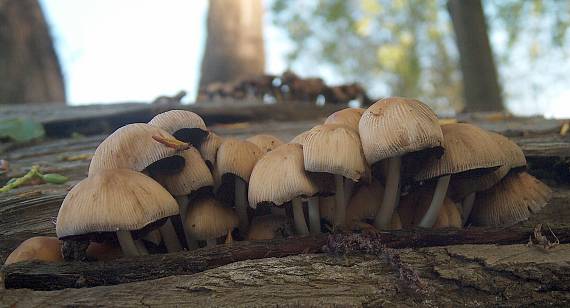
(480,83)
(234,46)
(29,68)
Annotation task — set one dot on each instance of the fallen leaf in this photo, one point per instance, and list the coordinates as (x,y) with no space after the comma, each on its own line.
(21,129)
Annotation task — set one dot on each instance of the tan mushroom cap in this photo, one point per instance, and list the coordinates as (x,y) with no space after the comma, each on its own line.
(348,116)
(334,149)
(131,147)
(237,157)
(514,158)
(365,202)
(175,120)
(414,206)
(268,227)
(193,176)
(207,219)
(467,148)
(266,143)
(39,248)
(300,138)
(279,177)
(396,126)
(112,200)
(209,148)
(512,200)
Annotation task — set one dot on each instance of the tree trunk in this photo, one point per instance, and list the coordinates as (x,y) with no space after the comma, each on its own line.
(480,83)
(29,68)
(234,47)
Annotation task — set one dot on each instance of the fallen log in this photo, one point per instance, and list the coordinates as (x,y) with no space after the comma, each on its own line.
(54,276)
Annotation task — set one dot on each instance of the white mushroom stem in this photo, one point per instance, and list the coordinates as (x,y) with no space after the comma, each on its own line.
(169,237)
(466,206)
(211,242)
(299,217)
(241,204)
(340,201)
(314,216)
(391,194)
(183,206)
(141,247)
(127,243)
(436,202)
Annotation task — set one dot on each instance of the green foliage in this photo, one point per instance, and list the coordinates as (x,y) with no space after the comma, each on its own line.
(21,129)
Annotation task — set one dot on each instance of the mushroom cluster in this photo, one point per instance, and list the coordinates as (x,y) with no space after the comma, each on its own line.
(172,184)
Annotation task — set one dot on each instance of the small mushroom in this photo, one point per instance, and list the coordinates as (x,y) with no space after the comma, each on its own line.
(348,116)
(389,130)
(40,248)
(265,142)
(414,205)
(234,163)
(269,227)
(469,151)
(336,150)
(209,149)
(279,177)
(207,220)
(114,201)
(184,125)
(513,199)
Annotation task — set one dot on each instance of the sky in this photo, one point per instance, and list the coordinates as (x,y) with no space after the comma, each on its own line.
(137,50)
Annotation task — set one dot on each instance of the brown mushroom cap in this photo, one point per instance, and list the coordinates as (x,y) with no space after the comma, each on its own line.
(237,157)
(207,219)
(193,176)
(112,200)
(39,248)
(183,125)
(279,176)
(268,227)
(334,149)
(300,138)
(514,158)
(414,206)
(395,126)
(365,202)
(467,148)
(209,149)
(266,143)
(513,199)
(348,116)
(131,147)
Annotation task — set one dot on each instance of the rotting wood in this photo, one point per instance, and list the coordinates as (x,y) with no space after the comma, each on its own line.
(457,276)
(54,276)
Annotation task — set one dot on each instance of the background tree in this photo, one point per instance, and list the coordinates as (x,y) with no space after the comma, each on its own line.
(29,68)
(408,47)
(234,46)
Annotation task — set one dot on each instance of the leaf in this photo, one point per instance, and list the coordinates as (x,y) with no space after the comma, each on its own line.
(54,178)
(21,129)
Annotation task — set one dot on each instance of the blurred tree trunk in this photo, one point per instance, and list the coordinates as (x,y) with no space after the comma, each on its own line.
(480,83)
(29,68)
(234,47)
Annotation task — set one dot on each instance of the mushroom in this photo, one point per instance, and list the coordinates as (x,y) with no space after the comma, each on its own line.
(414,205)
(266,143)
(513,199)
(133,147)
(114,201)
(269,227)
(39,248)
(209,149)
(389,130)
(336,150)
(469,151)
(464,188)
(208,220)
(348,116)
(279,177)
(184,125)
(234,163)
(194,176)
(363,206)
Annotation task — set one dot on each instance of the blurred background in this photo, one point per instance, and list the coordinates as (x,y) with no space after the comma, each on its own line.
(455,55)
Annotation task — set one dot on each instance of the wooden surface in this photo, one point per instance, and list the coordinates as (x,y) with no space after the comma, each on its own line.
(458,278)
